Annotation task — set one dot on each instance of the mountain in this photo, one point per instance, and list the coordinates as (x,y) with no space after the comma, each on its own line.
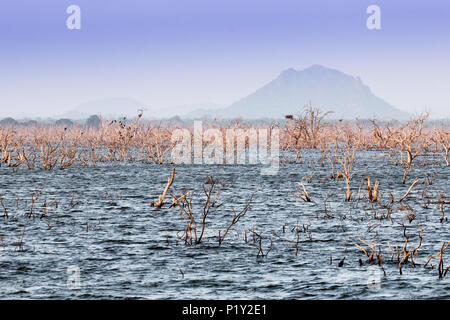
(325,88)
(108,108)
(128,107)
(328,89)
(189,110)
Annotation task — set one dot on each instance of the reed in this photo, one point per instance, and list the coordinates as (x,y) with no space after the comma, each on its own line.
(5,212)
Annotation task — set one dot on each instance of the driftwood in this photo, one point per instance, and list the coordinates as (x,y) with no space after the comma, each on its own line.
(373,194)
(442,271)
(160,201)
(409,190)
(303,194)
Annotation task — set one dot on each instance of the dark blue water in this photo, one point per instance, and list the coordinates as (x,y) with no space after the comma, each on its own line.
(99,237)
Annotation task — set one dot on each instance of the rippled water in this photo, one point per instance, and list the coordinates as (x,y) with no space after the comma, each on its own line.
(104,227)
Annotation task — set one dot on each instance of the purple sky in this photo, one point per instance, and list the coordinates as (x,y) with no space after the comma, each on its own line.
(170,53)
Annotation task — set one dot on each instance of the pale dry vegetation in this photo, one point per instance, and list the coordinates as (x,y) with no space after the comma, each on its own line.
(404,146)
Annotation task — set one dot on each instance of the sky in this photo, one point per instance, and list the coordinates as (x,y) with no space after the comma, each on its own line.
(167,53)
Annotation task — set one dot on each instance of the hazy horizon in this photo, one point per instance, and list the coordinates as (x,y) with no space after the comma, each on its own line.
(172,55)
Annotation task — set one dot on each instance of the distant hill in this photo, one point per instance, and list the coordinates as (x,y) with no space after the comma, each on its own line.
(194,110)
(325,88)
(8,122)
(128,107)
(108,108)
(328,89)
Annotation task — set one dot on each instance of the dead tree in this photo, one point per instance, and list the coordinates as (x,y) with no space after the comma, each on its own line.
(184,203)
(235,220)
(307,127)
(345,156)
(409,141)
(160,201)
(302,194)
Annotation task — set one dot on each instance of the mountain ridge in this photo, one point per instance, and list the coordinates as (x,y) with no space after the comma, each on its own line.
(325,88)
(328,89)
